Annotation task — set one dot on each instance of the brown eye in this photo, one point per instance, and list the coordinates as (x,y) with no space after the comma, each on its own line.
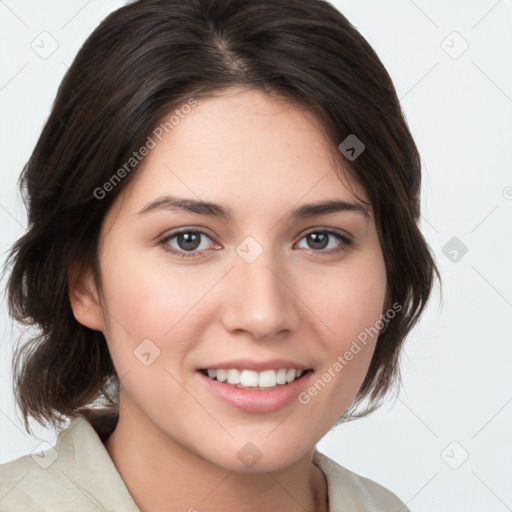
(187,241)
(320,239)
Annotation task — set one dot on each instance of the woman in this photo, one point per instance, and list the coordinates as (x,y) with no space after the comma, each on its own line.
(223,260)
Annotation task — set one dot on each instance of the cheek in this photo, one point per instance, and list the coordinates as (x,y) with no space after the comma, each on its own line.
(349,300)
(149,327)
(157,303)
(349,303)
(347,347)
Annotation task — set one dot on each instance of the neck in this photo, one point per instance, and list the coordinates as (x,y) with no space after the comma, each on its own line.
(162,474)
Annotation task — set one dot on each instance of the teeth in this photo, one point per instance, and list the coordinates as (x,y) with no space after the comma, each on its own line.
(233,376)
(253,379)
(281,376)
(268,379)
(249,378)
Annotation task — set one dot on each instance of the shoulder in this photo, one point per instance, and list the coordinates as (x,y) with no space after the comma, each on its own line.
(76,474)
(33,483)
(348,490)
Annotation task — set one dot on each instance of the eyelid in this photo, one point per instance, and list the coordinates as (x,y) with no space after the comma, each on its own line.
(336,231)
(346,240)
(163,240)
(204,231)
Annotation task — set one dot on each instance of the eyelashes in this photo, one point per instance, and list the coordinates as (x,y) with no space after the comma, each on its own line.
(177,234)
(183,236)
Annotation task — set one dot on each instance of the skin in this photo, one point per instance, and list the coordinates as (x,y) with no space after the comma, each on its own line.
(176,444)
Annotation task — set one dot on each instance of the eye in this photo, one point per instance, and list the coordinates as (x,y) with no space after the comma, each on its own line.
(187,241)
(319,240)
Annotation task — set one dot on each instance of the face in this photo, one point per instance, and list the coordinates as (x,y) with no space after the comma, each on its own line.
(260,292)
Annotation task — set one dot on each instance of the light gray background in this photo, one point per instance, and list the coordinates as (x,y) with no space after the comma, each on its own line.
(457,393)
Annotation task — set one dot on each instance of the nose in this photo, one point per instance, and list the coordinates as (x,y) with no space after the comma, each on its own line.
(259,298)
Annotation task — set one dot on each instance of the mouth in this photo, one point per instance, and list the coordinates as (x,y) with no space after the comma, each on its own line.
(266,380)
(256,386)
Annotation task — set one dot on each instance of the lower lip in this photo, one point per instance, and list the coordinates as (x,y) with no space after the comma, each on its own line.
(250,400)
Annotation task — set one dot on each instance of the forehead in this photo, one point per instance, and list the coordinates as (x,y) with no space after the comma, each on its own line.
(245,149)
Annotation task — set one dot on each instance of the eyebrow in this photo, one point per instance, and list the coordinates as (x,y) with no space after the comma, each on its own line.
(304,211)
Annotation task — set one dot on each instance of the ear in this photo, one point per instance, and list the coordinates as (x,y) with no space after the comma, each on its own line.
(84,299)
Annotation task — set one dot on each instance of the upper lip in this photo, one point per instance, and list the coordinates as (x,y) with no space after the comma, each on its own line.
(258,366)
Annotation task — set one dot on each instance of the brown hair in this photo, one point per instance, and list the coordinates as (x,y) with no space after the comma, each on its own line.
(144,60)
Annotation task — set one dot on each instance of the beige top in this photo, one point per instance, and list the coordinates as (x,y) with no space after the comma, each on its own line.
(78,475)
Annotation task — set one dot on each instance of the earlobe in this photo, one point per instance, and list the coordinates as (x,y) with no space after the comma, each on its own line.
(84,299)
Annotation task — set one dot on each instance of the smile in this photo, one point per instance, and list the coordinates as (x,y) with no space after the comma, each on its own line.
(251,379)
(254,391)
